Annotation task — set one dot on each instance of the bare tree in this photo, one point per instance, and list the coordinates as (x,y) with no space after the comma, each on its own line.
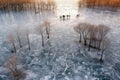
(28,40)
(78,29)
(102,32)
(11,40)
(18,36)
(104,46)
(40,30)
(92,35)
(85,31)
(11,64)
(47,26)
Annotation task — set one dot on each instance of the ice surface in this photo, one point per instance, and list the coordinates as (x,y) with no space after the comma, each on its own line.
(62,58)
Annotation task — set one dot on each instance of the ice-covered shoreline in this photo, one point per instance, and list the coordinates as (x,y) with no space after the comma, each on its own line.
(63,40)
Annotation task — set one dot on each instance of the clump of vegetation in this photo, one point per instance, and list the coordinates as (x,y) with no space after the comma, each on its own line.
(93,36)
(12,65)
(21,5)
(43,29)
(99,3)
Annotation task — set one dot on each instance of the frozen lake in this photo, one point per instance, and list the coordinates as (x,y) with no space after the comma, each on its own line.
(63,40)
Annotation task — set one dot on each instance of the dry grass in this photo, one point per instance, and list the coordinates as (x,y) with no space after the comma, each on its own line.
(100,3)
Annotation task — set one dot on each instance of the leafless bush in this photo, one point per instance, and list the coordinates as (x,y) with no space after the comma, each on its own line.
(12,64)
